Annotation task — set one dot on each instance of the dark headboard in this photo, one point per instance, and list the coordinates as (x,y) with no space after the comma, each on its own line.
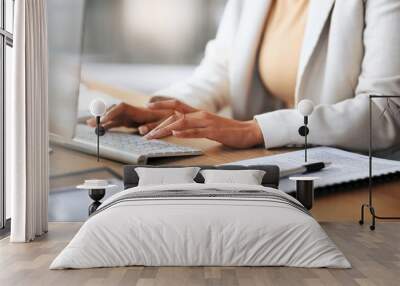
(271,178)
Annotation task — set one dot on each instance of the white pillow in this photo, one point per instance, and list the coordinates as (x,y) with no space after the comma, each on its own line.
(244,177)
(166,176)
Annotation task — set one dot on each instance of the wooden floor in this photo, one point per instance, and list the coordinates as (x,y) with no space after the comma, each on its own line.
(375,257)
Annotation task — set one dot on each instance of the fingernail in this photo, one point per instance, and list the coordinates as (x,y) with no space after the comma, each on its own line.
(149,136)
(151,104)
(143,130)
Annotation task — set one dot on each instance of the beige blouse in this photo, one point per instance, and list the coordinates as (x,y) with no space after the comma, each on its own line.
(281,46)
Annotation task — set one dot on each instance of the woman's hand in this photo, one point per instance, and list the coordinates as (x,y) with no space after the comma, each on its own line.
(202,124)
(146,119)
(170,104)
(130,116)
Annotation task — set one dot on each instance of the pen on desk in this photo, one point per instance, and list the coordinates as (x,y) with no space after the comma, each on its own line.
(305,169)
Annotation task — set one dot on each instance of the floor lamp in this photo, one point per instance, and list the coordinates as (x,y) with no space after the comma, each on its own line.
(369,205)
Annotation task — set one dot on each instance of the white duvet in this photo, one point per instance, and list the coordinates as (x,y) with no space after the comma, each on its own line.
(200,231)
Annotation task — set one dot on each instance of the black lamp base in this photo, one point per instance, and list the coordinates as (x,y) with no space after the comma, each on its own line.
(305,193)
(372,211)
(96,195)
(374,216)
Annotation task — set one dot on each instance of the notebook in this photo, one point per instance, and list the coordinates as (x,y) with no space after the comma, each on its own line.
(347,169)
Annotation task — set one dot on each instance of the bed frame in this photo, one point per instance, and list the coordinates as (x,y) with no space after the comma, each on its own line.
(271,178)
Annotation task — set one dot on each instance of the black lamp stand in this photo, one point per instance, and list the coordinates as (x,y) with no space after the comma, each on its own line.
(100,131)
(369,205)
(303,131)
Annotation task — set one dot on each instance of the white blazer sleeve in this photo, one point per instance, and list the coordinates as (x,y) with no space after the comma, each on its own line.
(346,124)
(208,87)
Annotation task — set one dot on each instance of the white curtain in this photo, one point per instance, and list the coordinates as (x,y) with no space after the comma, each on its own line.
(27,156)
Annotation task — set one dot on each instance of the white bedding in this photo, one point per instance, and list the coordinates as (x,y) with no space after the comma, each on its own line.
(188,231)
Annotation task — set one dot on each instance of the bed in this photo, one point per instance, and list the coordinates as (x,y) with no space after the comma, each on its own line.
(198,224)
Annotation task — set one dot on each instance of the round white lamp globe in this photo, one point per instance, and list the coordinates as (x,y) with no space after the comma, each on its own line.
(305,107)
(97,107)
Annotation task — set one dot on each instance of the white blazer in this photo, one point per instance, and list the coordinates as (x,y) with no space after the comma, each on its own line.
(351,49)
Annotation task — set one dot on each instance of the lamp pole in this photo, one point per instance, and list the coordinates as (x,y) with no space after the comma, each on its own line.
(369,205)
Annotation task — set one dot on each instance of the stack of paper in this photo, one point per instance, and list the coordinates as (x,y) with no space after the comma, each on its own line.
(345,166)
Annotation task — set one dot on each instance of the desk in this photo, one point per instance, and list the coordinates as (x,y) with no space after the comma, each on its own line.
(337,206)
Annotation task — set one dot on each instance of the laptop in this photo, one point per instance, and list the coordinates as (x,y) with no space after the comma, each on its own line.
(66,113)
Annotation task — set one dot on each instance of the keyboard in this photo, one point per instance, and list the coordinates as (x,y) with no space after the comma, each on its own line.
(131,145)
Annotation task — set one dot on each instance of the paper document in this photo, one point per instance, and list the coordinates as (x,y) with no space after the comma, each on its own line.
(345,166)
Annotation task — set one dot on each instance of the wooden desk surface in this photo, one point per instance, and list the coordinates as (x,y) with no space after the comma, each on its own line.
(337,206)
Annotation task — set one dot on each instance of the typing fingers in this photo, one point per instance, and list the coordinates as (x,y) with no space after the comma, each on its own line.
(110,124)
(112,114)
(146,128)
(162,129)
(91,122)
(179,121)
(171,104)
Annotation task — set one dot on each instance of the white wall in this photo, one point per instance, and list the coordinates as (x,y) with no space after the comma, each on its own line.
(150,31)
